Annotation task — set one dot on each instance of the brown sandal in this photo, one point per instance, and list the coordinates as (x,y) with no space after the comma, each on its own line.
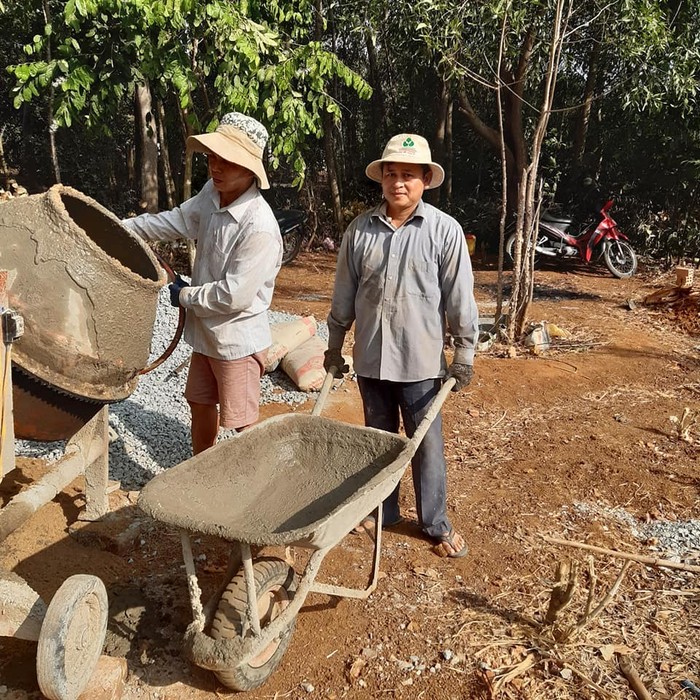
(446,546)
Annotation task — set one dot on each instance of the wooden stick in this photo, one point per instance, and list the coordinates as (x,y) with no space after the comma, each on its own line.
(592,580)
(563,590)
(630,673)
(599,608)
(650,561)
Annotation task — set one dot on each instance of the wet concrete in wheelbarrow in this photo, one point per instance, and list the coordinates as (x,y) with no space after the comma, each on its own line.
(294,479)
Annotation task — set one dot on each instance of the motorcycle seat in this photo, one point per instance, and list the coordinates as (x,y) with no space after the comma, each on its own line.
(289,217)
(555,219)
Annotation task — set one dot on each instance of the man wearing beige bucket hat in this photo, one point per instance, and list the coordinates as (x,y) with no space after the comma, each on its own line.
(403,278)
(239,253)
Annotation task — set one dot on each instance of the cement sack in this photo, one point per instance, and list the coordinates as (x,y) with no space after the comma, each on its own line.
(304,364)
(286,337)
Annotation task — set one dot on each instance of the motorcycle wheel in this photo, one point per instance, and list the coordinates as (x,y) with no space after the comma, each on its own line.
(510,250)
(620,259)
(291,244)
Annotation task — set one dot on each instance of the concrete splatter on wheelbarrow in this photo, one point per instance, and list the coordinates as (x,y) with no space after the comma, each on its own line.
(294,480)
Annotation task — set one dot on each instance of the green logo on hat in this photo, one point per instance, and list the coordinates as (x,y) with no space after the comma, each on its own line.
(408,143)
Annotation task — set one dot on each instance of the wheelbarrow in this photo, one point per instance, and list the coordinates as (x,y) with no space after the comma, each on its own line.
(292,480)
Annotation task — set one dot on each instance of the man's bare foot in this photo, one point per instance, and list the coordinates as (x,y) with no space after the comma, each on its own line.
(451,545)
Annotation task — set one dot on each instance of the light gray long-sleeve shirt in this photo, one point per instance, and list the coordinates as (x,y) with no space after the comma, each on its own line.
(403,288)
(239,253)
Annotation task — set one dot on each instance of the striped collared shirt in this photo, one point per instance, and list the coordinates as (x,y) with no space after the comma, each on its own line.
(403,288)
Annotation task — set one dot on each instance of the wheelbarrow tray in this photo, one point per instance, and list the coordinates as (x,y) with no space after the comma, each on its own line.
(291,479)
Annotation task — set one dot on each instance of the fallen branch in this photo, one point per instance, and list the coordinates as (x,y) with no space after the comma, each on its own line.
(649,561)
(501,418)
(635,682)
(527,663)
(592,580)
(591,614)
(563,591)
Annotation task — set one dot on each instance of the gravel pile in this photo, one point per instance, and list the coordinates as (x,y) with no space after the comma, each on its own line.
(150,431)
(670,539)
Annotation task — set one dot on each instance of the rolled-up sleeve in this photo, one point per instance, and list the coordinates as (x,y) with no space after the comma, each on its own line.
(457,285)
(342,314)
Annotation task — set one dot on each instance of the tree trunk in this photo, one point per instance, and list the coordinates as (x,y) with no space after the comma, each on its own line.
(329,145)
(165,156)
(4,170)
(131,167)
(52,128)
(377,134)
(584,113)
(149,149)
(447,187)
(493,138)
(331,166)
(187,178)
(528,202)
(435,196)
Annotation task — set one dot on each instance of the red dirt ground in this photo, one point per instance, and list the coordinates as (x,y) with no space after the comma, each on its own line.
(586,423)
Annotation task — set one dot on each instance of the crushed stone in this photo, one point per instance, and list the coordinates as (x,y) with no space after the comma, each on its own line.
(150,431)
(672,539)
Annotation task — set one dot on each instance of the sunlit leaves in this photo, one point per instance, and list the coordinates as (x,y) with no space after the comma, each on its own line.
(254,57)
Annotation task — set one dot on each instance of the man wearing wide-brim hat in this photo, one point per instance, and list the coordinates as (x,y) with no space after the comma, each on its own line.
(403,278)
(239,253)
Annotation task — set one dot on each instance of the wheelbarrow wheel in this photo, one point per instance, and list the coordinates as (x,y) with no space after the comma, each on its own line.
(71,637)
(275,583)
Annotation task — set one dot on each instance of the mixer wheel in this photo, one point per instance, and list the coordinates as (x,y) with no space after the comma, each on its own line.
(72,636)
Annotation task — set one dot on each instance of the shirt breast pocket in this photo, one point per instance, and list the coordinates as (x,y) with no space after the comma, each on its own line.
(422,279)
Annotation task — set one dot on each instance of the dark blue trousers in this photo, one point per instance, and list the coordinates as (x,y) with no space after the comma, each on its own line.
(383,402)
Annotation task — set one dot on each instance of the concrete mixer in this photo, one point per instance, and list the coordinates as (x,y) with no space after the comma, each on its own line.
(87,290)
(78,297)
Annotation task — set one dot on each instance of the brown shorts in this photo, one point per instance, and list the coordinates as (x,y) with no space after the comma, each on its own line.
(233,384)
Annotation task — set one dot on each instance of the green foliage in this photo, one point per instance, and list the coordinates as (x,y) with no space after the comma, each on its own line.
(103,48)
(290,67)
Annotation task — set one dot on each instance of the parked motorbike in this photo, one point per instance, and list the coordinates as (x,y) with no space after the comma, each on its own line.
(600,238)
(291,223)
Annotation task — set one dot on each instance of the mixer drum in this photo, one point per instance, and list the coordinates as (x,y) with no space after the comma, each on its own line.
(87,289)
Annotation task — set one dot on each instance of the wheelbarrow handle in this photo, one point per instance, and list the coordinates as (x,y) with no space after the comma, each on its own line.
(433,411)
(325,390)
(427,421)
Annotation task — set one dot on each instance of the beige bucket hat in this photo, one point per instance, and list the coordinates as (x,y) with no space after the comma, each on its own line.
(238,139)
(406,148)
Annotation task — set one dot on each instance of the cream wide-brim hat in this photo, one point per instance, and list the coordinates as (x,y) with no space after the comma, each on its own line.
(234,145)
(407,148)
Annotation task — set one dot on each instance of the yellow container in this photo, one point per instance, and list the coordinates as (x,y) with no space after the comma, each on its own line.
(471,243)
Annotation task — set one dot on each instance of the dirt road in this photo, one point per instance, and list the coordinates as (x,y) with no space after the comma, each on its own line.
(575,443)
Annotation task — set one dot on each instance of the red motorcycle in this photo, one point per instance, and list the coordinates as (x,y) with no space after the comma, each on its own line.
(601,238)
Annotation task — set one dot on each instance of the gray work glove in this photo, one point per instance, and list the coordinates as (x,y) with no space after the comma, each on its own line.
(461,368)
(333,357)
(462,374)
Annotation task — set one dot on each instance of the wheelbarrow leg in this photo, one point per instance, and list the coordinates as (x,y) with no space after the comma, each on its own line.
(192,583)
(252,611)
(362,594)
